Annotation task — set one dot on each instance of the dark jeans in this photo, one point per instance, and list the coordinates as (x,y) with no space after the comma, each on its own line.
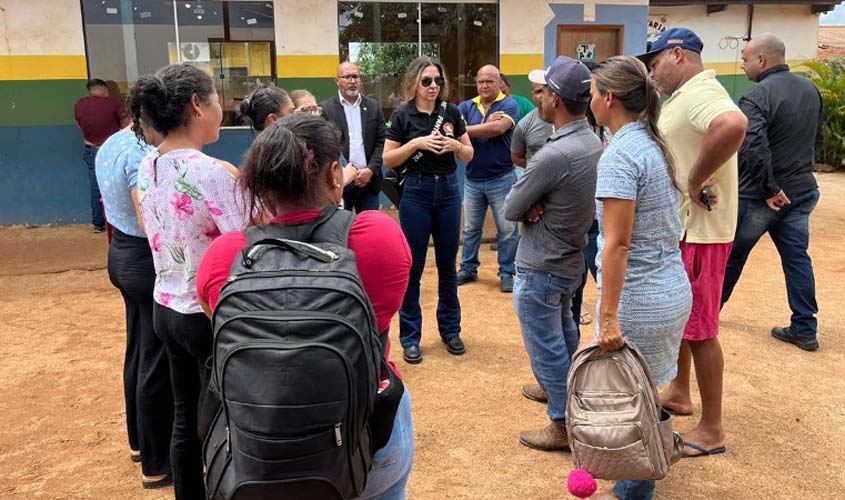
(189,342)
(634,490)
(431,209)
(360,199)
(146,372)
(98,215)
(590,252)
(790,231)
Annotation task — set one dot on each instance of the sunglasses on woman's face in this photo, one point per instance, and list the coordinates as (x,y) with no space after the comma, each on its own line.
(426,81)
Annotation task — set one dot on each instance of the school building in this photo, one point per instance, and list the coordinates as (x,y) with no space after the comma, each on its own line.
(51,48)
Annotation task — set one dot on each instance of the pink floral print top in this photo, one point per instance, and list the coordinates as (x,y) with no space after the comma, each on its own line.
(187,200)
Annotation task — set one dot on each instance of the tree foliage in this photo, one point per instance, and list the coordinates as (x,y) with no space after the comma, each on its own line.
(829,77)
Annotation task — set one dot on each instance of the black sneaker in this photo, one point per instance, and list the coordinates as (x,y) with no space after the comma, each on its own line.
(784,334)
(455,346)
(412,355)
(466,277)
(506,284)
(99,229)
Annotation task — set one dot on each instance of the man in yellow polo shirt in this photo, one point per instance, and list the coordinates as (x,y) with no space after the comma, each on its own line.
(704,130)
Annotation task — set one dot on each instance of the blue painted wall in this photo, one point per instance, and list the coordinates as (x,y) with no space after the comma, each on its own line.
(43,179)
(633,17)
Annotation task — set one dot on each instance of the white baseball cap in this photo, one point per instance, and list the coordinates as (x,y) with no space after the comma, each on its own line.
(537,76)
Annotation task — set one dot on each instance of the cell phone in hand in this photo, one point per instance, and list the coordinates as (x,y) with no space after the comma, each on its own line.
(705,198)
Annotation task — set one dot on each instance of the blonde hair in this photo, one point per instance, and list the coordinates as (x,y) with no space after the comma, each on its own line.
(627,79)
(414,75)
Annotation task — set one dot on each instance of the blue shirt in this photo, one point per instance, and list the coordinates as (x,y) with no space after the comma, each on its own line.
(492,156)
(117,174)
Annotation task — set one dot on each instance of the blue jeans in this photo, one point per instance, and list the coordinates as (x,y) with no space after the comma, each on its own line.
(477,196)
(360,199)
(98,215)
(542,303)
(790,231)
(392,464)
(590,252)
(431,208)
(634,490)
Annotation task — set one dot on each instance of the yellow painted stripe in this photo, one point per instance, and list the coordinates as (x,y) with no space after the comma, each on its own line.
(520,64)
(729,68)
(302,66)
(43,68)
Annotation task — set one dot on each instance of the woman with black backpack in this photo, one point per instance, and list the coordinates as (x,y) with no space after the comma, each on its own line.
(424,137)
(293,171)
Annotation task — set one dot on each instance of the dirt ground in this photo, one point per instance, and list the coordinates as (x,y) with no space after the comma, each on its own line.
(63,434)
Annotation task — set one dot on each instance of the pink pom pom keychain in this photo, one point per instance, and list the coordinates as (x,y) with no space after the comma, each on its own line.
(581,483)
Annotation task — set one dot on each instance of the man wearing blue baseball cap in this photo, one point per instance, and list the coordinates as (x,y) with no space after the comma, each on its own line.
(555,201)
(704,129)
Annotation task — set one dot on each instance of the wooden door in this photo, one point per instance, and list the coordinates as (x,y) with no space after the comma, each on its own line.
(589,42)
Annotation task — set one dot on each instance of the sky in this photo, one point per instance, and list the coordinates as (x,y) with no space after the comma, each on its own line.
(836,17)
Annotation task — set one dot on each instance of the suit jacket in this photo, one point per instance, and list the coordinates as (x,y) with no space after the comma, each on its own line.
(372,128)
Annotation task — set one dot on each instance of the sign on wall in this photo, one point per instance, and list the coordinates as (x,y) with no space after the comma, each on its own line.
(586,51)
(657,24)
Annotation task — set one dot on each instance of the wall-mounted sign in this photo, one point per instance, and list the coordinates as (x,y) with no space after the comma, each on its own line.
(656,25)
(586,51)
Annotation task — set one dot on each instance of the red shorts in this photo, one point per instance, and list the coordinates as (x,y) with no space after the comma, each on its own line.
(705,265)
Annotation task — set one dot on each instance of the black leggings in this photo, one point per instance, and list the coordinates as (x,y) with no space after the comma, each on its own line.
(146,370)
(189,343)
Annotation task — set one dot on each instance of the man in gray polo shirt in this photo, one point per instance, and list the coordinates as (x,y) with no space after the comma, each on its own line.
(532,131)
(554,199)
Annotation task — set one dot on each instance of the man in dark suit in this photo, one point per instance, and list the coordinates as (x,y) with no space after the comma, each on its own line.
(361,122)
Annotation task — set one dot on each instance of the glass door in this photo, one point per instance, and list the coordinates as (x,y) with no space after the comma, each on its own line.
(239,68)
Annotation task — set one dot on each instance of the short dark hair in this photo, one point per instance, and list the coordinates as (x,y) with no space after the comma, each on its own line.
(96,82)
(575,108)
(505,80)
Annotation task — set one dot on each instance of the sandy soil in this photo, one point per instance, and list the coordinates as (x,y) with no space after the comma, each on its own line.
(63,432)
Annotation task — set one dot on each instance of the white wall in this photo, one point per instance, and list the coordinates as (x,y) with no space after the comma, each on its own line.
(41,28)
(794,24)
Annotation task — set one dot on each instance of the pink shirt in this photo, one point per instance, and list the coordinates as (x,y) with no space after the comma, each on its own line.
(187,200)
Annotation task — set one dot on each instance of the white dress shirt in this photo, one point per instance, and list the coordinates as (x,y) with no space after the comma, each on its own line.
(357,156)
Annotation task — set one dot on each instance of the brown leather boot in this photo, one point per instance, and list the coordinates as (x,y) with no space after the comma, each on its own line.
(549,438)
(535,393)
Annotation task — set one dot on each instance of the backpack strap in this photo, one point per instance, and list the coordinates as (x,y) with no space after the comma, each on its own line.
(331,226)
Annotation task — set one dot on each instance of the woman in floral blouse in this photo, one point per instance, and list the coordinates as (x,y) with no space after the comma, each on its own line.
(187,199)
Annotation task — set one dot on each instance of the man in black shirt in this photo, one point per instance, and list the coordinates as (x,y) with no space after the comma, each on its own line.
(777,189)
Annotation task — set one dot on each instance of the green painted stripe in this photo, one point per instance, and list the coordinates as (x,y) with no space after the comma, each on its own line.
(39,102)
(322,88)
(736,85)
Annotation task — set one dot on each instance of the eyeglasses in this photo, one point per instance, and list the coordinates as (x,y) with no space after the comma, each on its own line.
(314,110)
(350,78)
(426,81)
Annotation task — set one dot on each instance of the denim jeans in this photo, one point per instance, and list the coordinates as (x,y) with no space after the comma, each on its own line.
(98,215)
(790,231)
(477,196)
(634,490)
(189,340)
(542,303)
(146,370)
(431,209)
(590,252)
(392,464)
(358,199)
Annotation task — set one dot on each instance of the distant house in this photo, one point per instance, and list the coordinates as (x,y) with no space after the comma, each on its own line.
(831,42)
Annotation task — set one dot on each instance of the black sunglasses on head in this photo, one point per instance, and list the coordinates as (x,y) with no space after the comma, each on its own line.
(426,81)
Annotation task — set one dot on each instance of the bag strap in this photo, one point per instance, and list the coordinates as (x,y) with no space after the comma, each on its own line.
(441,115)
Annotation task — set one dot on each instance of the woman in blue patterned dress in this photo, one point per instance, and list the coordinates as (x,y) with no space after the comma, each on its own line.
(644,293)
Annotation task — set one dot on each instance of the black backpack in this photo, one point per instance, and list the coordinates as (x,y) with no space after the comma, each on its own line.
(297,361)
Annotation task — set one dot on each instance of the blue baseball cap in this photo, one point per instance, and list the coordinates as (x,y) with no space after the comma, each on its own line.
(568,78)
(684,38)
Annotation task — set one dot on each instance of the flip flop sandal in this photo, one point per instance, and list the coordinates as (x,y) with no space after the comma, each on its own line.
(703,451)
